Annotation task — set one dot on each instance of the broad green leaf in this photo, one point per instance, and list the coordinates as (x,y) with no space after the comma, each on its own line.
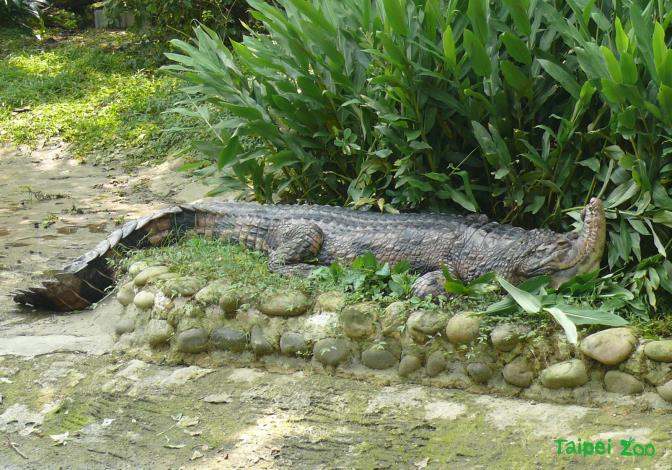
(562,76)
(612,64)
(229,153)
(516,48)
(478,12)
(643,33)
(528,302)
(518,11)
(449,47)
(395,16)
(622,41)
(665,100)
(480,61)
(629,69)
(659,47)
(622,193)
(513,76)
(585,316)
(565,323)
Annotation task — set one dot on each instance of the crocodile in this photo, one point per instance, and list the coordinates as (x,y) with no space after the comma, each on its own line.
(297,237)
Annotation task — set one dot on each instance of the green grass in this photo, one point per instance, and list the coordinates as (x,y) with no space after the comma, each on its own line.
(100,90)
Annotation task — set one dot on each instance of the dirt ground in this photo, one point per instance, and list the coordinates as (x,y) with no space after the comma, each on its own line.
(68,400)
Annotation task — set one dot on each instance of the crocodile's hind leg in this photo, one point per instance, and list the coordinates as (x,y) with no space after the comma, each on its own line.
(293,246)
(429,283)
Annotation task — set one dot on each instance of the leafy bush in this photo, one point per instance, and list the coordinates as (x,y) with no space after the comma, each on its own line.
(22,11)
(521,109)
(170,16)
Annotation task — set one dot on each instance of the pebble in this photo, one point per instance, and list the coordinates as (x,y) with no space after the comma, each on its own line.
(331,351)
(158,332)
(261,344)
(185,286)
(144,300)
(619,382)
(610,347)
(422,324)
(126,293)
(479,372)
(567,374)
(135,268)
(506,336)
(144,276)
(329,302)
(229,339)
(229,302)
(665,391)
(194,340)
(377,358)
(285,304)
(211,293)
(293,344)
(463,328)
(436,363)
(660,351)
(358,321)
(409,364)
(518,372)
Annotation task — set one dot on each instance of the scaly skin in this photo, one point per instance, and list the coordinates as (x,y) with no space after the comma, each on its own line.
(298,237)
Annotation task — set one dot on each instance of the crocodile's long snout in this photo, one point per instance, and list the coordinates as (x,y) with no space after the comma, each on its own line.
(587,249)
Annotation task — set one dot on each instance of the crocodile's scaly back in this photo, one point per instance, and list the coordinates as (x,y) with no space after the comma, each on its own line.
(296,236)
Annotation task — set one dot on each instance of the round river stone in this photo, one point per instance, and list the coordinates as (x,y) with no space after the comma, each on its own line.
(194,340)
(463,328)
(144,300)
(211,293)
(358,321)
(135,268)
(376,358)
(185,286)
(567,374)
(408,365)
(229,339)
(610,347)
(506,336)
(665,391)
(147,274)
(292,344)
(261,344)
(126,294)
(518,372)
(619,382)
(660,351)
(286,304)
(331,351)
(436,363)
(479,372)
(158,332)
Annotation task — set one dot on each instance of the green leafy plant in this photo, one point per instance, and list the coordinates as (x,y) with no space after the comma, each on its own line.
(366,275)
(523,110)
(168,17)
(22,12)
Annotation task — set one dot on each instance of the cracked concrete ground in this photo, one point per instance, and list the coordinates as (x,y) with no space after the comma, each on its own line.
(68,401)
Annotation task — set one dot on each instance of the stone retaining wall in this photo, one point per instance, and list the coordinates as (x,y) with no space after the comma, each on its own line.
(185,319)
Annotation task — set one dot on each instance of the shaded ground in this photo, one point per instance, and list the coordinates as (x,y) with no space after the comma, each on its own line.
(68,402)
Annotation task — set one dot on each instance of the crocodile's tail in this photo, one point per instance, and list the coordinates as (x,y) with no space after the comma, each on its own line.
(87,279)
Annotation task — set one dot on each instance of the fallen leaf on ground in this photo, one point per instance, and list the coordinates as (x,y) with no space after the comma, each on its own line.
(422,463)
(196,455)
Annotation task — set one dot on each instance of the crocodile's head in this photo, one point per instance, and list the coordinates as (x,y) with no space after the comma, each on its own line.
(564,256)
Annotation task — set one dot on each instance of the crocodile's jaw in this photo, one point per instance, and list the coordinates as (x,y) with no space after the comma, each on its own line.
(588,248)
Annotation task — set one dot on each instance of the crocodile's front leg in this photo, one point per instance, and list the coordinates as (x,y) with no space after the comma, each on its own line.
(293,246)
